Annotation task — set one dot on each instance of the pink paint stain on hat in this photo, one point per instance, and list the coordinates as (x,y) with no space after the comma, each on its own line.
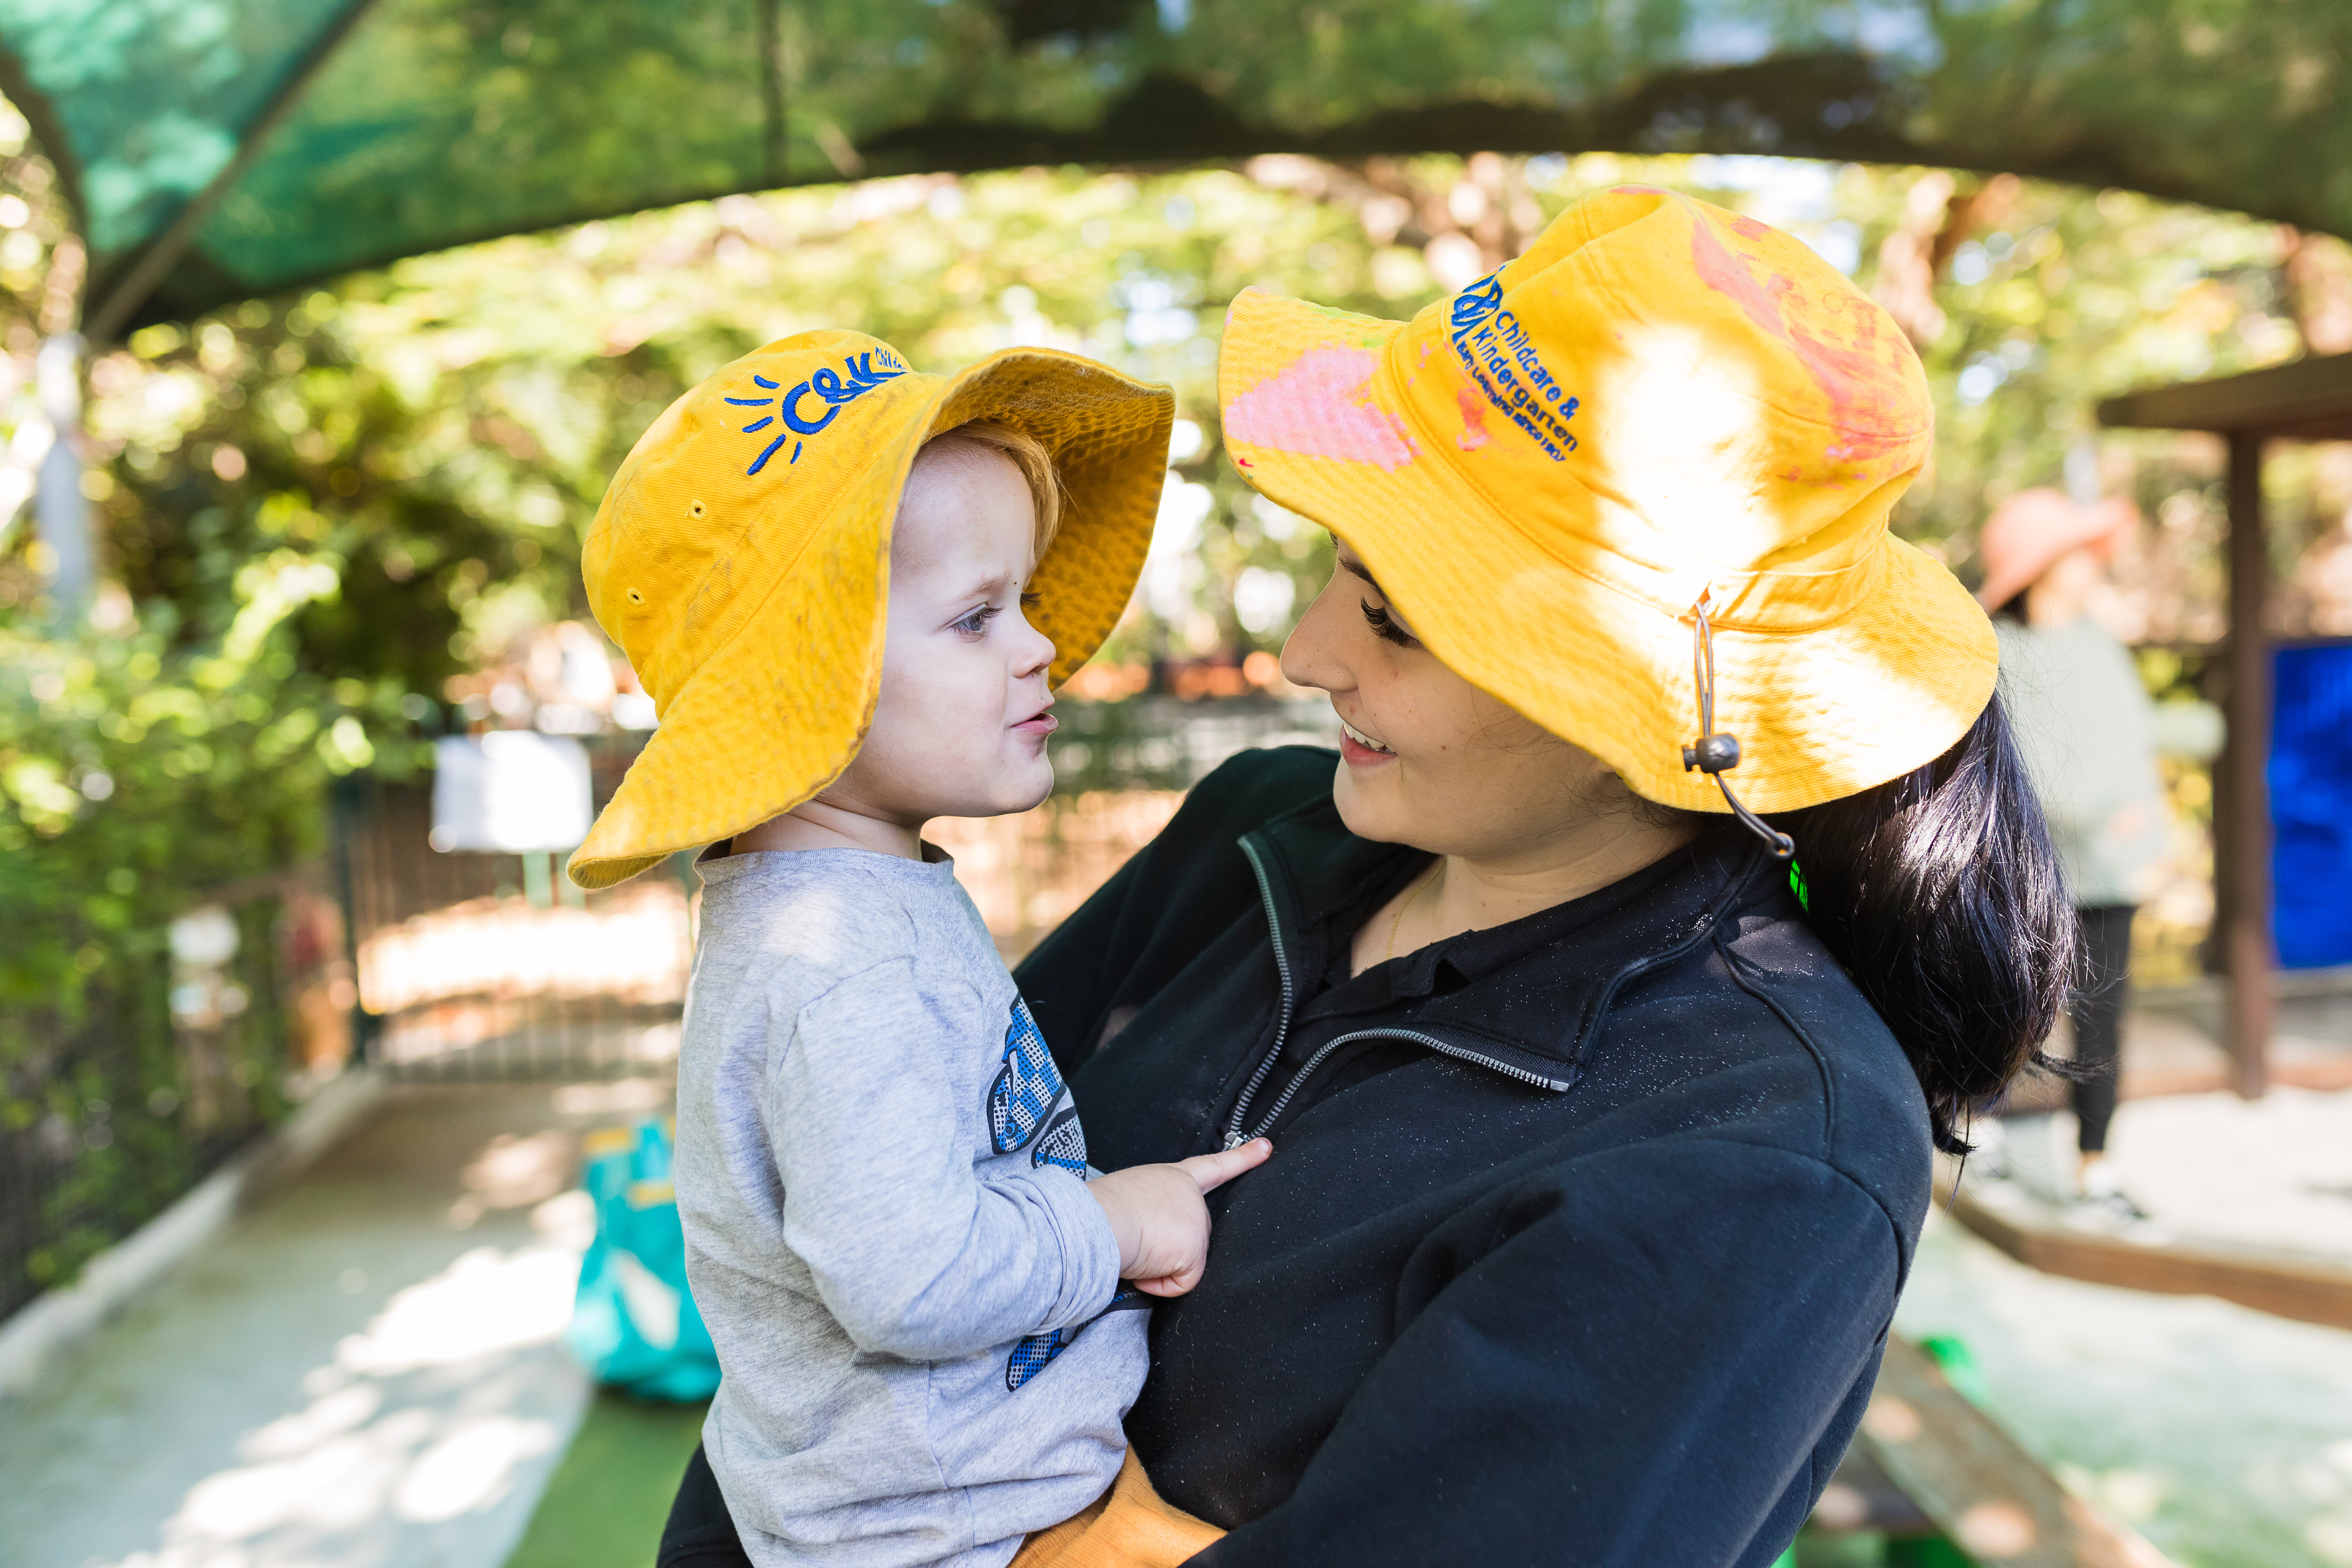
(1315,408)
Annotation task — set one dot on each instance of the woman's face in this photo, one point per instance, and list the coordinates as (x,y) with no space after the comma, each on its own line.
(1428,759)
(2063,592)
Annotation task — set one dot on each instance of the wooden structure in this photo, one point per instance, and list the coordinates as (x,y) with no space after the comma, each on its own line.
(2307,399)
(2307,1287)
(1983,1493)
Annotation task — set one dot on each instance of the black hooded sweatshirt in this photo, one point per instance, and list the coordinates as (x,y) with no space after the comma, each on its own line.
(1581,1235)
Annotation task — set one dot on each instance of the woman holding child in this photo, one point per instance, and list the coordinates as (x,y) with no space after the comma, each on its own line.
(1601,1113)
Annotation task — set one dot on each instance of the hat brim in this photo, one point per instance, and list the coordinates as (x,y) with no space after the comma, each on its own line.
(774,716)
(1819,713)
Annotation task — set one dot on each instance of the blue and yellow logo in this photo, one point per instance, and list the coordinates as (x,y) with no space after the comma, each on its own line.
(835,389)
(1495,350)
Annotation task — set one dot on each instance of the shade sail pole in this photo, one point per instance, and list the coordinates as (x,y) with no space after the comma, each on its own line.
(2244,868)
(107,317)
(60,511)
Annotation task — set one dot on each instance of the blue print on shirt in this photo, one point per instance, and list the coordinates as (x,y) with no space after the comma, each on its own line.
(1030,1356)
(1063,1144)
(1027,1087)
(1022,1098)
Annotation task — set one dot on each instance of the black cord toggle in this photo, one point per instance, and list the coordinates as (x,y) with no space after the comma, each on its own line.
(1712,754)
(1715,754)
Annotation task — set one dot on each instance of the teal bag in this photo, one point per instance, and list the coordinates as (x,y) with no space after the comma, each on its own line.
(634,1324)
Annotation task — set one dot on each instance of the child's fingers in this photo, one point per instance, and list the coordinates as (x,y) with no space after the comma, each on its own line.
(1176,1284)
(1214,1171)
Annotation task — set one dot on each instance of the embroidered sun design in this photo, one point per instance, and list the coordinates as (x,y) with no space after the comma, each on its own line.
(835,388)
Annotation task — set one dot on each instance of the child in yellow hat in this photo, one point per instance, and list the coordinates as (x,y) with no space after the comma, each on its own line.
(848,588)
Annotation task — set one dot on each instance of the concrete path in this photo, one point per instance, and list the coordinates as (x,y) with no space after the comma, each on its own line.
(362,1374)
(2222,1434)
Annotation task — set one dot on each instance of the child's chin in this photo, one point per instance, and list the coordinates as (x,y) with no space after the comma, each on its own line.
(1034,795)
(1017,789)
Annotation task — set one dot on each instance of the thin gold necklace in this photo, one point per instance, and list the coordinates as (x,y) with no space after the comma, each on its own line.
(1397,921)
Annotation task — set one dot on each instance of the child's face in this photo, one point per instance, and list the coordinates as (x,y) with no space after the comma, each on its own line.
(960,726)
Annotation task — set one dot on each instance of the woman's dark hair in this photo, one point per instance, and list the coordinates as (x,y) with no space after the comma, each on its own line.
(1940,894)
(2012,608)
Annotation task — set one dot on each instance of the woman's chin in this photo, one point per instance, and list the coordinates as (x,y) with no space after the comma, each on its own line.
(1368,804)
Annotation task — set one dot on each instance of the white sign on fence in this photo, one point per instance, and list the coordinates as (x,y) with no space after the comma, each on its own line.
(510,792)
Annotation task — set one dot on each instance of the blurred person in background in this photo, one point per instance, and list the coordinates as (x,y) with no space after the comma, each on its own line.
(2087,731)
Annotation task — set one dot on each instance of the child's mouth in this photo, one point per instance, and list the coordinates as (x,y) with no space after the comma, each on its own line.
(1038,723)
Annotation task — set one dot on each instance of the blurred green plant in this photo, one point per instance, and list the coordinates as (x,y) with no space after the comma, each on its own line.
(138,768)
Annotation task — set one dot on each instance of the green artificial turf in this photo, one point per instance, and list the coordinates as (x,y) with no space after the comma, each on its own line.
(606,1503)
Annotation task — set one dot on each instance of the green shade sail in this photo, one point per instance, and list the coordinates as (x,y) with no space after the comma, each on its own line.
(218,149)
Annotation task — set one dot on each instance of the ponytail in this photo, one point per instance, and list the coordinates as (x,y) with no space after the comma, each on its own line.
(1940,894)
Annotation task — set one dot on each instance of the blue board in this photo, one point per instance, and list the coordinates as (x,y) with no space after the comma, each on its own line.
(2311,806)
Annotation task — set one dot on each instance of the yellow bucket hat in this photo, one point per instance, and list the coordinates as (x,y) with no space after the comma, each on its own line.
(1660,403)
(741,559)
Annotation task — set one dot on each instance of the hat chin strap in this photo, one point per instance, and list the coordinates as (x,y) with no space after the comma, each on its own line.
(1715,754)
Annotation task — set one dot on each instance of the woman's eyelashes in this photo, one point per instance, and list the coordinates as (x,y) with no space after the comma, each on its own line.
(1384,626)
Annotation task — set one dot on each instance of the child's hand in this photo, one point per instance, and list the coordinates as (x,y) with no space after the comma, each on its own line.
(1162,1224)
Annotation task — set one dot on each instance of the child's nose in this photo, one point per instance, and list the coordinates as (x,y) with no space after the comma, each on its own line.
(1035,652)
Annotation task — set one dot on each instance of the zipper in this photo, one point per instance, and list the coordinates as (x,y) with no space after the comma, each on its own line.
(1234,1136)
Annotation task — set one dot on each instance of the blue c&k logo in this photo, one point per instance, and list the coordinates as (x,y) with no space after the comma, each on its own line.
(1478,301)
(1501,361)
(829,386)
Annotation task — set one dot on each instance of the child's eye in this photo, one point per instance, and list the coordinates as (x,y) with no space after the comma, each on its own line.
(1384,626)
(976,623)
(1030,601)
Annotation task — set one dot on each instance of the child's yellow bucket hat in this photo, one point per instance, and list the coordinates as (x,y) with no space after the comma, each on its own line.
(1660,402)
(741,559)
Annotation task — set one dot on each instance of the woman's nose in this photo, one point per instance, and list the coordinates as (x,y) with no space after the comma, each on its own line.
(1312,656)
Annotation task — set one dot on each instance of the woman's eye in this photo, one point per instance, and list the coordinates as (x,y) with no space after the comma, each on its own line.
(1384,626)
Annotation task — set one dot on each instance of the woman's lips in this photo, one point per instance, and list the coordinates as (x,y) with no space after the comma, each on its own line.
(1359,748)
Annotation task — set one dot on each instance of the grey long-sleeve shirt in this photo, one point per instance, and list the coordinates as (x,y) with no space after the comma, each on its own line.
(2088,736)
(882,1182)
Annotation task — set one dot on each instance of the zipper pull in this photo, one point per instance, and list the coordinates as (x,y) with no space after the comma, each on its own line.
(1233,1141)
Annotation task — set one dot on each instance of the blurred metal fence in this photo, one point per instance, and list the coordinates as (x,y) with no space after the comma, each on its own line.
(491,967)
(116,1102)
(479,966)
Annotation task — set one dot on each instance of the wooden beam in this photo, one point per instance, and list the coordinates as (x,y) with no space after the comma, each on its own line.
(2243,818)
(2310,398)
(2309,1289)
(1989,1497)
